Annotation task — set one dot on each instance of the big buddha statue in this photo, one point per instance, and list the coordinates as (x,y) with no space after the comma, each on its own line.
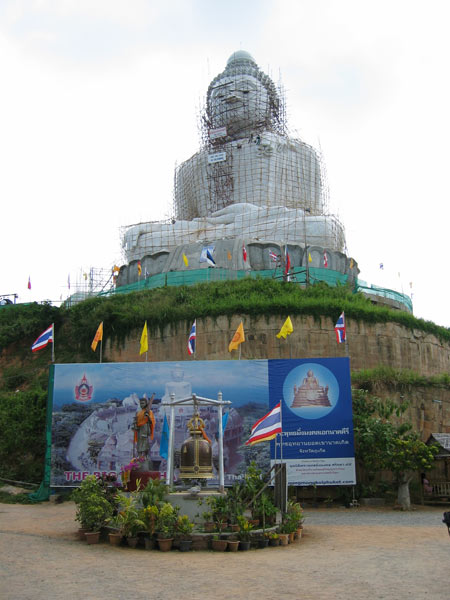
(250,186)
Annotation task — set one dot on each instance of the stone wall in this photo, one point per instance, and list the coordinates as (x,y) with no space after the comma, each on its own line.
(369,346)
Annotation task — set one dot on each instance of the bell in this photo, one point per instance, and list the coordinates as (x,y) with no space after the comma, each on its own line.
(196,452)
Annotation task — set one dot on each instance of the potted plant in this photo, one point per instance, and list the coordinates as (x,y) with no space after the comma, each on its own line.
(154,493)
(217,544)
(274,539)
(295,515)
(245,528)
(93,508)
(288,528)
(184,527)
(129,518)
(235,504)
(115,534)
(208,525)
(165,526)
(233,545)
(219,509)
(150,516)
(266,509)
(253,484)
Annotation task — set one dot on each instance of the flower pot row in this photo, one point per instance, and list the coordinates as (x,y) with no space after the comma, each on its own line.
(230,545)
(184,545)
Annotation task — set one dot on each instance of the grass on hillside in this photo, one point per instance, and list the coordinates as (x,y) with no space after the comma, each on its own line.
(122,314)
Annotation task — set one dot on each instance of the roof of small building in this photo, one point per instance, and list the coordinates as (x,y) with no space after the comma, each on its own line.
(442,440)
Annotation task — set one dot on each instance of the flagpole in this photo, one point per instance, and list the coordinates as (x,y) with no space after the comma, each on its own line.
(101,347)
(239,351)
(221,472)
(53,342)
(281,434)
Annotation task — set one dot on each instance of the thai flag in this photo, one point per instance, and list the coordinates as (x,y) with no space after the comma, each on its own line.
(273,256)
(192,338)
(209,258)
(45,338)
(325,259)
(266,428)
(339,328)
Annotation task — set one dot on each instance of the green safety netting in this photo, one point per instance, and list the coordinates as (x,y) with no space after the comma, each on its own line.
(362,286)
(191,277)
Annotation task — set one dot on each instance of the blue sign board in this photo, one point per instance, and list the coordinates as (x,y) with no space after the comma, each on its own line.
(316,407)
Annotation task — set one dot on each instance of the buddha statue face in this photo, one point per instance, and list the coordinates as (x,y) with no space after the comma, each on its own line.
(240,103)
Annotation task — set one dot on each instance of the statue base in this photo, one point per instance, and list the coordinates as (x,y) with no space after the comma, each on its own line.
(143,476)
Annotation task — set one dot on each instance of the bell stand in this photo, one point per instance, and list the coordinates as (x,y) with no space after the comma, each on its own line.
(195,401)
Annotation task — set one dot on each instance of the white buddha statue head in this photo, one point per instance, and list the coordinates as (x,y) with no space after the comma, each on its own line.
(242,98)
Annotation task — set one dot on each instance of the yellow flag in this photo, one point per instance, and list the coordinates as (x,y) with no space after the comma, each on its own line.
(309,257)
(185,260)
(139,268)
(287,329)
(238,338)
(98,336)
(351,263)
(144,340)
(229,255)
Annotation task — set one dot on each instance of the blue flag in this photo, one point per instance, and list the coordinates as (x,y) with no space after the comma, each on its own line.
(164,444)
(224,421)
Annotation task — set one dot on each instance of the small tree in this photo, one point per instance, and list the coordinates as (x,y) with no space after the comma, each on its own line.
(381,444)
(405,456)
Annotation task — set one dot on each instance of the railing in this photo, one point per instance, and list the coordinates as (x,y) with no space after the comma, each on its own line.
(441,489)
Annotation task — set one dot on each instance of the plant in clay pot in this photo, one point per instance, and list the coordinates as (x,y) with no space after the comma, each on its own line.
(209,524)
(150,517)
(295,510)
(217,544)
(165,525)
(93,508)
(129,519)
(220,524)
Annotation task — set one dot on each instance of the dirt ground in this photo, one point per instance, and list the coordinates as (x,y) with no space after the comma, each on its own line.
(356,553)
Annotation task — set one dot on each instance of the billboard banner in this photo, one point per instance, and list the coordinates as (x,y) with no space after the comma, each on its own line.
(316,404)
(95,404)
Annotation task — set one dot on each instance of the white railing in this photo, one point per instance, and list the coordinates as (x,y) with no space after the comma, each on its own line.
(441,488)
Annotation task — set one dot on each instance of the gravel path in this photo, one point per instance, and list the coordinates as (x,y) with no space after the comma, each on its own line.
(360,553)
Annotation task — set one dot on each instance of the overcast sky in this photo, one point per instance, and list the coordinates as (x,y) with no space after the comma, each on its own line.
(100,99)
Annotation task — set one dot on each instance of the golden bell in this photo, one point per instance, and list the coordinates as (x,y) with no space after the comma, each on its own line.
(196,452)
